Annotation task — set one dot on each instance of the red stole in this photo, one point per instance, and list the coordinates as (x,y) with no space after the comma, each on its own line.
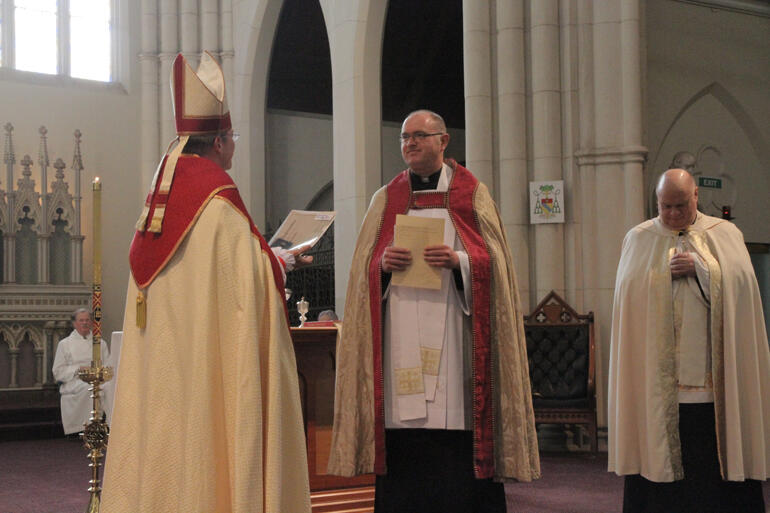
(458,201)
(196,181)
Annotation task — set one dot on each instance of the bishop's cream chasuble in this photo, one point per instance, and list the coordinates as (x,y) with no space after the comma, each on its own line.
(207,415)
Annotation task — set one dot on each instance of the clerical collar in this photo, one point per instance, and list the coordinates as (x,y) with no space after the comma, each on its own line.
(424,183)
(687,228)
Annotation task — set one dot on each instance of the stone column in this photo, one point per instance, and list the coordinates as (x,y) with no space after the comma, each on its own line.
(355,31)
(209,25)
(188,30)
(610,156)
(14,354)
(511,100)
(169,37)
(45,227)
(226,35)
(478,78)
(546,139)
(43,240)
(9,255)
(574,202)
(631,74)
(76,239)
(76,258)
(39,368)
(256,30)
(48,334)
(241,174)
(148,59)
(9,237)
(586,170)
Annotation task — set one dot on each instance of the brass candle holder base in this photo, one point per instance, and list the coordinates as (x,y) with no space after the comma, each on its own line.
(93,375)
(96,433)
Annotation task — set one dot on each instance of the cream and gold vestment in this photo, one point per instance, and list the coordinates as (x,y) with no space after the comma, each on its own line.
(505,441)
(643,433)
(207,415)
(207,411)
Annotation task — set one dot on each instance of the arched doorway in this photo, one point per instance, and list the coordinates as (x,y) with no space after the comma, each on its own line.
(298,137)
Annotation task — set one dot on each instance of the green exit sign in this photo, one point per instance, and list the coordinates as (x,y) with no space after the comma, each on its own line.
(709,182)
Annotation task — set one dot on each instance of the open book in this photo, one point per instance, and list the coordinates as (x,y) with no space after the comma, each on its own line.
(302,228)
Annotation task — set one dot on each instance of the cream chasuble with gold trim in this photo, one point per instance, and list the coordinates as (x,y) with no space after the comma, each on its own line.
(207,414)
(643,427)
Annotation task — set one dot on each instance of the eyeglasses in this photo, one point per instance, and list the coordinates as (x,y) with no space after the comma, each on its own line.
(234,136)
(417,136)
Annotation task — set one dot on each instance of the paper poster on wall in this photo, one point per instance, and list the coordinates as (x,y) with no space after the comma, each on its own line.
(546,202)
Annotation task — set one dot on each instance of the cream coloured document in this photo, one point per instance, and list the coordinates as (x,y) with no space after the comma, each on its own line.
(415,234)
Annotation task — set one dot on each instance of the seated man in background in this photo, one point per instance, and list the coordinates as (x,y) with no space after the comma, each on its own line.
(74,352)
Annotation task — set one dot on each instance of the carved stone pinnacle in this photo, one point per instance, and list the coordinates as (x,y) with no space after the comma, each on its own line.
(59,165)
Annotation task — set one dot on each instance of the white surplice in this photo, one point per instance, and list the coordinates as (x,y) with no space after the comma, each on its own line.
(72,353)
(692,317)
(423,318)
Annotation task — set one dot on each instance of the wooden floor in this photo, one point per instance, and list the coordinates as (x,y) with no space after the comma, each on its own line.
(357,500)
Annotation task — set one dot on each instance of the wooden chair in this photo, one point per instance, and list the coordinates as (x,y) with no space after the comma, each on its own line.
(560,350)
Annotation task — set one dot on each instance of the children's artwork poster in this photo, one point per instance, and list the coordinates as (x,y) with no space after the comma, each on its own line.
(546,202)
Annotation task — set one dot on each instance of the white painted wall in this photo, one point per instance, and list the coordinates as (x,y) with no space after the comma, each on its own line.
(108,117)
(708,77)
(299,161)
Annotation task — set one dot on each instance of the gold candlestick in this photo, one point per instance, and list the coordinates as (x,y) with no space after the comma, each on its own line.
(96,432)
(97,286)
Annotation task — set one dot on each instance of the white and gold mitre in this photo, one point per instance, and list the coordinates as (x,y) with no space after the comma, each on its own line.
(200,108)
(200,105)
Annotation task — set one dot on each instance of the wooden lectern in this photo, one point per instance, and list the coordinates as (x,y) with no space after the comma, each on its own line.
(315,348)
